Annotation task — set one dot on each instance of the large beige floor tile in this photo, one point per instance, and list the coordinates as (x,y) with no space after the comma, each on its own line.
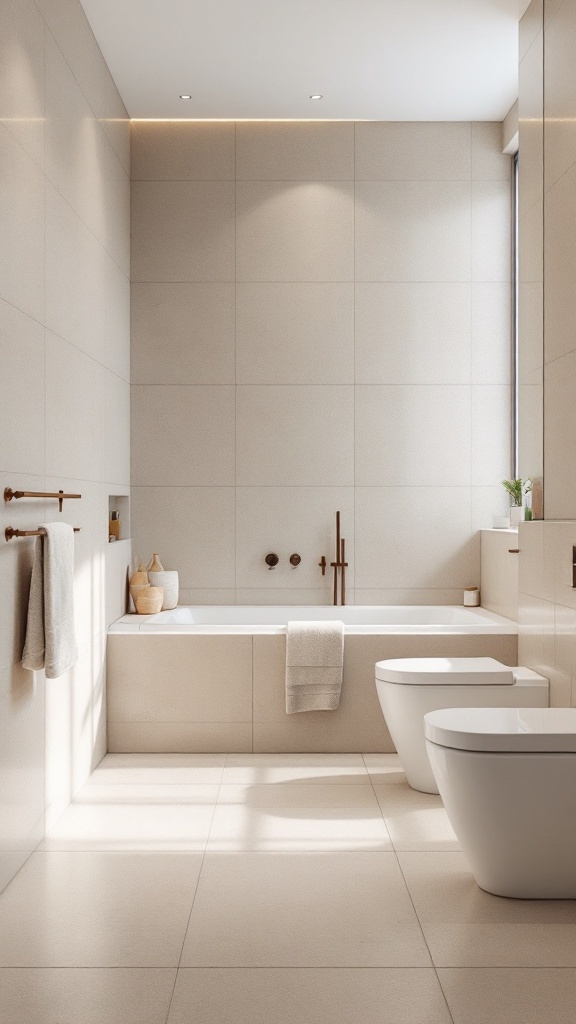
(510,996)
(148,769)
(97,910)
(415,821)
(84,996)
(467,927)
(135,817)
(384,768)
(303,910)
(291,817)
(315,996)
(249,769)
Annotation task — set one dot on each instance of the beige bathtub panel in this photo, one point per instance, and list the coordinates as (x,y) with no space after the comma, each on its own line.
(179,737)
(179,678)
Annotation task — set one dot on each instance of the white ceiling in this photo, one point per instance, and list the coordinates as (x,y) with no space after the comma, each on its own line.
(370,59)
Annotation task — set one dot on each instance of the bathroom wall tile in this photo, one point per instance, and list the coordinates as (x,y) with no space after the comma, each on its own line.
(116,430)
(179,737)
(182,231)
(415,537)
(491,246)
(559,437)
(22,344)
(206,679)
(559,94)
(413,231)
(403,595)
(291,520)
(22,75)
(74,395)
(536,635)
(98,320)
(183,436)
(322,595)
(536,560)
(80,161)
(530,430)
(295,151)
(420,418)
(295,232)
(562,680)
(531,328)
(182,151)
(530,25)
(413,333)
(22,217)
(491,334)
(489,163)
(295,919)
(508,996)
(295,334)
(466,927)
(330,996)
(198,320)
(294,436)
(61,996)
(52,915)
(559,300)
(205,595)
(499,572)
(491,434)
(530,124)
(162,516)
(488,502)
(412,151)
(115,121)
(70,728)
(559,540)
(531,245)
(22,762)
(117,572)
(71,31)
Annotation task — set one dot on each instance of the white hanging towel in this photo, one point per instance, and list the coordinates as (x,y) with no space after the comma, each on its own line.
(314,660)
(50,637)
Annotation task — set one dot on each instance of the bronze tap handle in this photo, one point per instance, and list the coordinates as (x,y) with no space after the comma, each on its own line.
(271,560)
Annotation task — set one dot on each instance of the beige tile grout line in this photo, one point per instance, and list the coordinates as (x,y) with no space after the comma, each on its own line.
(195,891)
(410,896)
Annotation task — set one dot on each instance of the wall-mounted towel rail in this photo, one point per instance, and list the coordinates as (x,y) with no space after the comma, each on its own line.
(9,494)
(10,532)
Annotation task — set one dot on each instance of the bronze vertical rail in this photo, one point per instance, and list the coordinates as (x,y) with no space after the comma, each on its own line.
(336,565)
(344,567)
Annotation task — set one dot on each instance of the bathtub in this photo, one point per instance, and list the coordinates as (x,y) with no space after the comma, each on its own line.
(210,679)
(357,619)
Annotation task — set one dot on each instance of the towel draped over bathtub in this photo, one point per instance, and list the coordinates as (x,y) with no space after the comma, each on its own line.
(50,637)
(314,661)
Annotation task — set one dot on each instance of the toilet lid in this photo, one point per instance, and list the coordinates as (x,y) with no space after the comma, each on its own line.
(543,730)
(445,672)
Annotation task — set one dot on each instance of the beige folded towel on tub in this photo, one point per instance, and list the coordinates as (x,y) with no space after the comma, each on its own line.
(314,660)
(50,636)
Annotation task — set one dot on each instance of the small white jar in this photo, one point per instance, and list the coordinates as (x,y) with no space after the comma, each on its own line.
(472,597)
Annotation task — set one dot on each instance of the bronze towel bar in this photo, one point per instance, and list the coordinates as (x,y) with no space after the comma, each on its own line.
(10,532)
(9,494)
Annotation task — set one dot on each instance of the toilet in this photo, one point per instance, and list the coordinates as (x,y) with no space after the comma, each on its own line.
(507,777)
(408,688)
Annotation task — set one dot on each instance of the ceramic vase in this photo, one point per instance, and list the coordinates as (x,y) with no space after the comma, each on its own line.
(516,515)
(149,600)
(155,565)
(167,579)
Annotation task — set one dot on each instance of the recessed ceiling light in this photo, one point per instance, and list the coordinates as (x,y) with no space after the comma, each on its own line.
(316,96)
(185,96)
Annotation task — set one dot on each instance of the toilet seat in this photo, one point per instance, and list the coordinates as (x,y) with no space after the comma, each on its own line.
(445,672)
(504,730)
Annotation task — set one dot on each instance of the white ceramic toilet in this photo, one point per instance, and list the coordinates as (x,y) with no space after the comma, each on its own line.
(508,781)
(410,687)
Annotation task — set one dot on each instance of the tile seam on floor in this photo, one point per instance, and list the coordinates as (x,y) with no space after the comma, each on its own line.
(195,891)
(449,1012)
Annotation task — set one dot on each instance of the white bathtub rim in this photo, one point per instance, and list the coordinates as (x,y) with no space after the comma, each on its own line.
(472,621)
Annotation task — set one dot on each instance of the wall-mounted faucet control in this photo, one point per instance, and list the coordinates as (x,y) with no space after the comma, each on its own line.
(271,560)
(295,560)
(574,566)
